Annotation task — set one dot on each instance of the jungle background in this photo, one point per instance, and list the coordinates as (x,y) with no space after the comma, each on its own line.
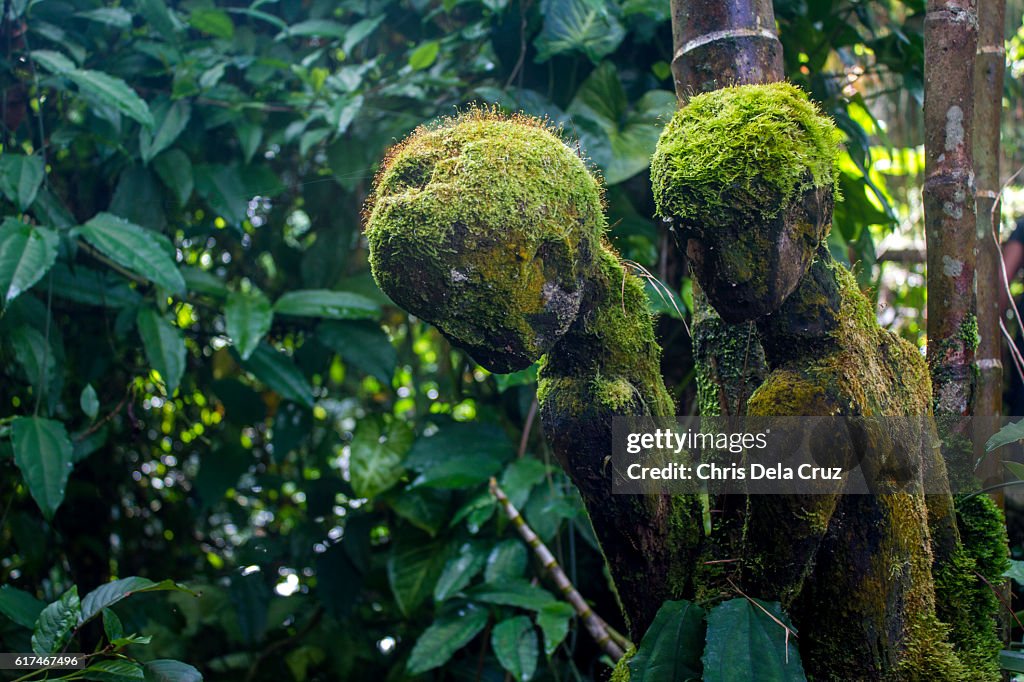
(202,383)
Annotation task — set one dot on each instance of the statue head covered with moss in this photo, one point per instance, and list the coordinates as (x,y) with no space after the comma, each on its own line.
(485,226)
(747,176)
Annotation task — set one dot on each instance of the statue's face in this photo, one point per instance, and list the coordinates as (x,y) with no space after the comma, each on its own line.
(747,270)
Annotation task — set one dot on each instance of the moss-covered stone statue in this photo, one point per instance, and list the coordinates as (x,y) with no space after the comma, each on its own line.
(880,585)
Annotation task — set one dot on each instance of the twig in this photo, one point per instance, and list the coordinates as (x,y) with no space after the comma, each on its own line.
(767,613)
(613,643)
(113,413)
(1000,598)
(526,428)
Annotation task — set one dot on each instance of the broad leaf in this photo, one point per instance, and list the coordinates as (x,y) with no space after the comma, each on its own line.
(171,118)
(166,670)
(425,508)
(1011,433)
(458,472)
(335,305)
(175,171)
(140,250)
(671,647)
(424,55)
(114,670)
(447,635)
(376,453)
(224,190)
(112,91)
(164,345)
(20,606)
(363,344)
(214,22)
(93,287)
(515,593)
(747,641)
(279,373)
(586,26)
(324,28)
(20,178)
(507,561)
(460,570)
(515,644)
(26,254)
(52,61)
(55,623)
(89,402)
(413,570)
(109,594)
(117,17)
(42,451)
(248,317)
(34,354)
(553,620)
(112,626)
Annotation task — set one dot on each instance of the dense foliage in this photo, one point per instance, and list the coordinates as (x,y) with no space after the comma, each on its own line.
(202,383)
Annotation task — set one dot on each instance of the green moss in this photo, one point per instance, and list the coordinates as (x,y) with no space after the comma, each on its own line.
(748,149)
(621,671)
(614,393)
(486,226)
(969,332)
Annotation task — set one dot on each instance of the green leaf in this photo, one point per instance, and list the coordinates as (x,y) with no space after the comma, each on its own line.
(621,139)
(118,17)
(1015,468)
(26,254)
(460,570)
(89,402)
(248,317)
(553,620)
(458,440)
(323,28)
(1015,572)
(519,478)
(279,373)
(204,282)
(249,137)
(212,22)
(458,472)
(223,189)
(42,451)
(335,305)
(93,287)
(54,62)
(140,250)
(515,644)
(425,508)
(424,55)
(746,643)
(448,634)
(671,648)
(112,91)
(20,606)
(586,26)
(376,453)
(359,31)
(171,118)
(175,171)
(109,594)
(20,178)
(1011,433)
(362,344)
(507,561)
(412,572)
(55,623)
(164,345)
(166,670)
(34,354)
(515,593)
(114,670)
(112,626)
(159,17)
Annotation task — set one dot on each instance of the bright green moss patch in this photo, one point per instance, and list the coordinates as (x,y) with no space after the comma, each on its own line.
(748,149)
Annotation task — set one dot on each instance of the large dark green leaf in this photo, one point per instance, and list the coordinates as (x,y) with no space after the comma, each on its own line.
(20,606)
(586,26)
(619,137)
(515,644)
(20,178)
(114,670)
(214,22)
(363,344)
(517,592)
(175,171)
(425,508)
(26,254)
(507,561)
(224,190)
(335,305)
(279,373)
(165,670)
(672,645)
(248,317)
(111,91)
(1011,433)
(457,440)
(164,345)
(413,570)
(460,570)
(34,354)
(142,251)
(110,593)
(747,641)
(553,621)
(376,453)
(55,623)
(447,635)
(42,452)
(171,118)
(93,287)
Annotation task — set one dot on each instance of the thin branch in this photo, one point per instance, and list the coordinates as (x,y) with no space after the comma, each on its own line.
(767,613)
(113,413)
(613,643)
